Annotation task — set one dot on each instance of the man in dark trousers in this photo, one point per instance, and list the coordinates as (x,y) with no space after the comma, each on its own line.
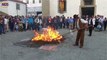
(91,24)
(80,25)
(1,28)
(105,24)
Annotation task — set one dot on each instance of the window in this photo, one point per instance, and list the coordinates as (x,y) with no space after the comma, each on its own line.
(33,1)
(88,2)
(40,1)
(27,1)
(17,6)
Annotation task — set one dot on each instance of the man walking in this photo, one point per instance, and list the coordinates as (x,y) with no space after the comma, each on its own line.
(91,23)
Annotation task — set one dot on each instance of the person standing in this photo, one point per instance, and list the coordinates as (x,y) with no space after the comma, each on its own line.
(44,18)
(91,23)
(1,24)
(63,21)
(71,23)
(55,22)
(23,19)
(11,23)
(6,21)
(31,23)
(101,22)
(81,25)
(67,22)
(105,24)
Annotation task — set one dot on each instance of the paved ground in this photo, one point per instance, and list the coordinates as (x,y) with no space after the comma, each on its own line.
(95,47)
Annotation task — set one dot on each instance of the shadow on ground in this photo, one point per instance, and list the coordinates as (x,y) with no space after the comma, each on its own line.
(31,44)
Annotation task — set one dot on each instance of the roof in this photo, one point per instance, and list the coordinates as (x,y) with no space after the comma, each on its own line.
(2,13)
(15,1)
(18,1)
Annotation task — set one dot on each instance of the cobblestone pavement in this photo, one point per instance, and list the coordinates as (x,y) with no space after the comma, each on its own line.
(95,47)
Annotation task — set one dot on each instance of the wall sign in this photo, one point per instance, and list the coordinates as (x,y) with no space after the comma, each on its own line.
(4,4)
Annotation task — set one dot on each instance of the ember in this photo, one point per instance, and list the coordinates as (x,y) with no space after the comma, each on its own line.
(48,35)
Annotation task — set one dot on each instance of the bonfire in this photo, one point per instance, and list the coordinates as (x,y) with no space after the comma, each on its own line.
(48,35)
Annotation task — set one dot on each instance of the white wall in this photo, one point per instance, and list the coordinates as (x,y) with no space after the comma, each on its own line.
(72,7)
(101,7)
(12,9)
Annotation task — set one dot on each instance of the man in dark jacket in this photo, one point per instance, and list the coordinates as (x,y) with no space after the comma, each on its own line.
(105,24)
(91,25)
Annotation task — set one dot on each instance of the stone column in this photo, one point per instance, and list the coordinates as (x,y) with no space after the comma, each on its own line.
(45,7)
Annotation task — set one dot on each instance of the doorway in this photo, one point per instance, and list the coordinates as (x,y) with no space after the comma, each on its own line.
(87,11)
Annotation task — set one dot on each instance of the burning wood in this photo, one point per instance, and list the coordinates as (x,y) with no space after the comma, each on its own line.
(48,35)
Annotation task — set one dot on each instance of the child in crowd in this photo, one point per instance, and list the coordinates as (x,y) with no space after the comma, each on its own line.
(16,26)
(99,27)
(20,25)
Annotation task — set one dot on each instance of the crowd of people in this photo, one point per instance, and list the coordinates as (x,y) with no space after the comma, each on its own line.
(97,23)
(24,23)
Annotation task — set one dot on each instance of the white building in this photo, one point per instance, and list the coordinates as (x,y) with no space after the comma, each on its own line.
(13,8)
(33,6)
(81,7)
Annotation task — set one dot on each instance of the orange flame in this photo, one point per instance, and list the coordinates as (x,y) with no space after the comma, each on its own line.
(48,35)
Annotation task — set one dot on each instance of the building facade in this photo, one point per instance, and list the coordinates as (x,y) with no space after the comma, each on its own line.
(71,7)
(33,6)
(13,8)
